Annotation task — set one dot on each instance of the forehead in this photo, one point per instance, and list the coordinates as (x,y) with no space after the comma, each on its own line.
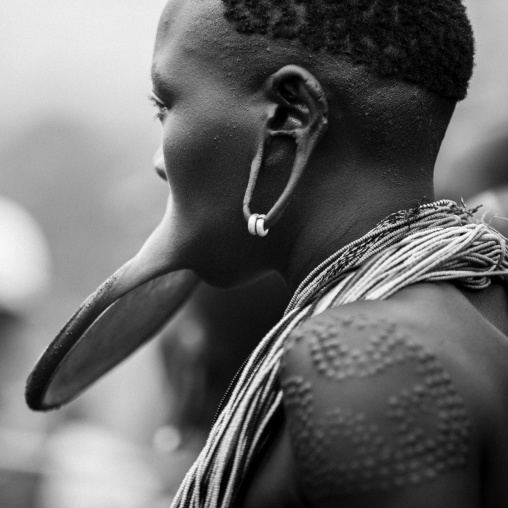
(189,30)
(194,38)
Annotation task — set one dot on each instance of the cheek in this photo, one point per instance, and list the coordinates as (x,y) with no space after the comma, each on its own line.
(207,157)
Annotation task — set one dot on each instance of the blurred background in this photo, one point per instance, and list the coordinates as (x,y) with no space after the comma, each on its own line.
(78,196)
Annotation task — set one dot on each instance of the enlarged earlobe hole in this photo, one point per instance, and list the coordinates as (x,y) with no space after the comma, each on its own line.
(297,118)
(274,173)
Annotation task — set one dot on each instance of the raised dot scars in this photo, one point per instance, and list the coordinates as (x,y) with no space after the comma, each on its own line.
(418,430)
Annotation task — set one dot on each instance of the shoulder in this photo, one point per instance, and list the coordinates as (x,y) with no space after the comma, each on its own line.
(374,404)
(423,331)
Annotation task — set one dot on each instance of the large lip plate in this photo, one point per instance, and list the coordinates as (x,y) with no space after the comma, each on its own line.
(95,340)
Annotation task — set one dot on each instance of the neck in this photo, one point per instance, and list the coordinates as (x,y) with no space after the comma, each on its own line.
(329,226)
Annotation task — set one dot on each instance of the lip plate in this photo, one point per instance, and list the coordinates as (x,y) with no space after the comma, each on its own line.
(94,340)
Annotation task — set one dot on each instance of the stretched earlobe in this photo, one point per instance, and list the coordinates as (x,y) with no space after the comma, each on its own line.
(302,105)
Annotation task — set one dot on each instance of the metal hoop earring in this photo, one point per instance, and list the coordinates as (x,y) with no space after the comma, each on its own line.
(256,225)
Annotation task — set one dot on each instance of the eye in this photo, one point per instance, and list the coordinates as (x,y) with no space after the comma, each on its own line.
(162,109)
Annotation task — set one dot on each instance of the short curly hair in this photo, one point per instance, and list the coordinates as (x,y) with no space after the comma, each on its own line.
(426,42)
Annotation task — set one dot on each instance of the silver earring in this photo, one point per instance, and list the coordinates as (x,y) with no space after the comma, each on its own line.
(256,225)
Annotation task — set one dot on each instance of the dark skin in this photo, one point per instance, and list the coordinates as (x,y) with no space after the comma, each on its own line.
(220,93)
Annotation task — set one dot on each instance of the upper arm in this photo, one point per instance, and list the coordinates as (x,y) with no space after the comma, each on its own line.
(374,417)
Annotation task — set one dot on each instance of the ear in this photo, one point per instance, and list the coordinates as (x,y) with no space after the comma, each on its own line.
(301,105)
(299,110)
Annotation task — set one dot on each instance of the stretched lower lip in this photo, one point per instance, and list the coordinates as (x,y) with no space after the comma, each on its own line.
(100,335)
(122,314)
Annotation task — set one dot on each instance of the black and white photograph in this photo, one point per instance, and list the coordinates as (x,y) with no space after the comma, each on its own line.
(254,254)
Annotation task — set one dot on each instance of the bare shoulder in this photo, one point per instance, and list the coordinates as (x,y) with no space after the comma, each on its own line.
(386,403)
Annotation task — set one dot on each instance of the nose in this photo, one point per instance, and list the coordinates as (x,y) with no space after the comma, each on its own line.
(158,163)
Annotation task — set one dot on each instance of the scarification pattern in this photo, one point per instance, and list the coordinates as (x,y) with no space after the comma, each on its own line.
(430,430)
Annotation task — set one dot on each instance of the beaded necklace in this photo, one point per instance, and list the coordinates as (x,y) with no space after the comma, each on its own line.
(433,242)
